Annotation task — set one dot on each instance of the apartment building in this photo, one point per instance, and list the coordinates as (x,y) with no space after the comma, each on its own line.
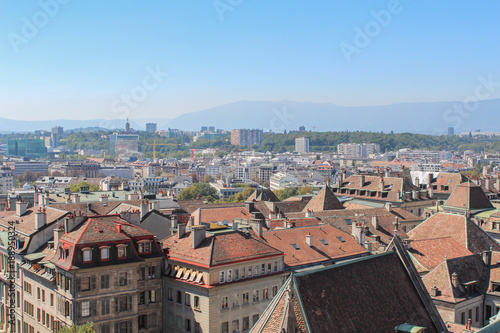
(7,180)
(358,150)
(246,137)
(219,281)
(302,145)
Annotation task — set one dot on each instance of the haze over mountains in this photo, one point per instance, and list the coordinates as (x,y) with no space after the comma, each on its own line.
(429,118)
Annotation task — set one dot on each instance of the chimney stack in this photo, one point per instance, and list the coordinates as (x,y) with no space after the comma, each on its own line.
(119,228)
(361,181)
(454,279)
(250,206)
(309,213)
(66,225)
(181,230)
(434,291)
(103,198)
(257,227)
(375,222)
(35,198)
(76,199)
(328,182)
(58,232)
(21,208)
(382,184)
(309,239)
(235,225)
(417,182)
(198,235)
(388,206)
(487,257)
(173,221)
(396,226)
(40,219)
(144,208)
(414,194)
(191,221)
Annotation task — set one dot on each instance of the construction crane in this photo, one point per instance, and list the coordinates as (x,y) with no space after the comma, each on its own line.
(154,144)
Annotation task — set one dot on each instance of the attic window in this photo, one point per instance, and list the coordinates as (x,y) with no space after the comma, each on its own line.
(348,221)
(122,251)
(295,246)
(323,241)
(341,239)
(145,247)
(104,253)
(87,255)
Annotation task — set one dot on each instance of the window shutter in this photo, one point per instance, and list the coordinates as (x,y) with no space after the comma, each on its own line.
(93,282)
(93,308)
(77,282)
(116,305)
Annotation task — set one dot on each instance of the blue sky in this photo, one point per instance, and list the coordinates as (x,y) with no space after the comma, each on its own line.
(84,56)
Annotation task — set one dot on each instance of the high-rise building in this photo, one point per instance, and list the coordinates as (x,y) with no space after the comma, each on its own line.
(211,129)
(246,137)
(56,135)
(302,129)
(302,145)
(451,130)
(151,127)
(124,146)
(204,128)
(26,148)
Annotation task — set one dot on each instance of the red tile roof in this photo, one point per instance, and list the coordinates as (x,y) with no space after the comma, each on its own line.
(324,200)
(468,196)
(209,215)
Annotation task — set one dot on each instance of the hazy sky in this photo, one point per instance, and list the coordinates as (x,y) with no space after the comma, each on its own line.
(103,59)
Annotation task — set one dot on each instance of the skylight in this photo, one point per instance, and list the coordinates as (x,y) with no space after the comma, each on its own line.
(295,246)
(341,239)
(348,221)
(323,241)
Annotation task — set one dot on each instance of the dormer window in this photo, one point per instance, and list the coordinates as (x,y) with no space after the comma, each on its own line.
(87,255)
(104,253)
(122,251)
(145,246)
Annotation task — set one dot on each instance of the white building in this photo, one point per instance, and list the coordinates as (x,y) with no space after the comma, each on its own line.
(7,180)
(302,145)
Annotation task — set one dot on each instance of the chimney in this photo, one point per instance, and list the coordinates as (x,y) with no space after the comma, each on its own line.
(396,226)
(35,198)
(57,234)
(487,257)
(328,182)
(430,176)
(388,206)
(119,228)
(359,233)
(361,180)
(144,208)
(408,244)
(434,291)
(417,182)
(375,222)
(198,235)
(103,198)
(21,208)
(40,219)
(309,239)
(257,226)
(41,199)
(454,280)
(235,225)
(437,205)
(181,230)
(340,180)
(76,199)
(498,184)
(309,213)
(191,221)
(250,206)
(382,184)
(173,221)
(414,194)
(66,225)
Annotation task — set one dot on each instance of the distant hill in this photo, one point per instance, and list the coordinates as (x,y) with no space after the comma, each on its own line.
(429,118)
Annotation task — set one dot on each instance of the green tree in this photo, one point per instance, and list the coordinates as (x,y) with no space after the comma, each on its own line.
(286,193)
(76,187)
(208,179)
(200,190)
(306,190)
(158,173)
(85,328)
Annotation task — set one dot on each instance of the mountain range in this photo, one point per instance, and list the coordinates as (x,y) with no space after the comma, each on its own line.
(428,118)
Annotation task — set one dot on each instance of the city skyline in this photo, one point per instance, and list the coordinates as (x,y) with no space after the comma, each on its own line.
(70,60)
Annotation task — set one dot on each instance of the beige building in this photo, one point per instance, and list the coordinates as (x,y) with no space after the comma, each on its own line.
(219,281)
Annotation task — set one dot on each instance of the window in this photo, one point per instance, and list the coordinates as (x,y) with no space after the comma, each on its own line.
(105,328)
(275,266)
(122,279)
(142,298)
(187,299)
(236,326)
(246,297)
(87,255)
(323,241)
(179,297)
(295,246)
(269,269)
(179,322)
(197,302)
(225,327)
(222,277)
(122,251)
(152,272)
(85,309)
(236,274)
(43,295)
(105,307)
(187,325)
(142,274)
(143,321)
(255,295)
(51,299)
(341,239)
(242,273)
(256,272)
(105,253)
(85,283)
(229,275)
(249,271)
(105,281)
(265,293)
(263,269)
(246,323)
(170,294)
(38,293)
(275,290)
(224,303)
(236,300)
(124,303)
(145,247)
(152,296)
(255,318)
(477,313)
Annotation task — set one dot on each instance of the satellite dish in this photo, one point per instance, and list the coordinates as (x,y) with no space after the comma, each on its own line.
(225,222)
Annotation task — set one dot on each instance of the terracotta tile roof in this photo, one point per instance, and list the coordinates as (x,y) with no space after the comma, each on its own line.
(210,214)
(190,206)
(458,227)
(468,196)
(469,269)
(291,206)
(328,244)
(373,294)
(495,266)
(297,222)
(27,222)
(219,248)
(324,200)
(431,252)
(263,195)
(446,182)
